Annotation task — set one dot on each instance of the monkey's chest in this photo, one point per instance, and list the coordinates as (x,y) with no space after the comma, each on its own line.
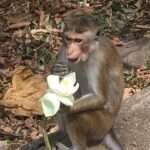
(84,87)
(86,74)
(92,72)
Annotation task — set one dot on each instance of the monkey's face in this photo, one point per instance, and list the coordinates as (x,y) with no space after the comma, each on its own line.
(77,45)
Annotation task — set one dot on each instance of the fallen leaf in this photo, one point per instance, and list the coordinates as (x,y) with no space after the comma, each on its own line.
(22,97)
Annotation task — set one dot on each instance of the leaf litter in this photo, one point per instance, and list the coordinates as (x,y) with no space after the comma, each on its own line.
(29,32)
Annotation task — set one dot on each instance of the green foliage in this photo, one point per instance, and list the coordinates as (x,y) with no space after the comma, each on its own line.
(116,6)
(45,38)
(26,53)
(39,2)
(129,78)
(60,25)
(45,56)
(102,21)
(8,141)
(4,35)
(147,65)
(133,80)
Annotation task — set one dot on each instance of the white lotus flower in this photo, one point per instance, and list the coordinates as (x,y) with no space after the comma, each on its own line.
(59,92)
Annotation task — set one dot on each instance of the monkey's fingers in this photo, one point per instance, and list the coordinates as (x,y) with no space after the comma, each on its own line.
(60,65)
(57,70)
(61,73)
(60,69)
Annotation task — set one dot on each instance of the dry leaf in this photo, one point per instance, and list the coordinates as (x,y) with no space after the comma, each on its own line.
(22,98)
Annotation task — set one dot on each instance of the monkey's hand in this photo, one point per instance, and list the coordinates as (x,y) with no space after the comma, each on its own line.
(87,103)
(60,69)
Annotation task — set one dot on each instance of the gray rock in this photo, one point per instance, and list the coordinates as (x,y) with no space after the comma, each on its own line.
(133,123)
(135,53)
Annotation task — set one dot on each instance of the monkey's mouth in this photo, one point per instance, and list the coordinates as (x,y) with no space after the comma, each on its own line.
(74,60)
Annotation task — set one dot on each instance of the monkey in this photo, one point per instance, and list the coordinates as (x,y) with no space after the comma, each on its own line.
(98,69)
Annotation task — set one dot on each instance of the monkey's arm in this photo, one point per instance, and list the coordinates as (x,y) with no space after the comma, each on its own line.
(88,102)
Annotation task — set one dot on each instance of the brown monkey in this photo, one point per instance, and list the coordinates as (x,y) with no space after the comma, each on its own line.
(99,72)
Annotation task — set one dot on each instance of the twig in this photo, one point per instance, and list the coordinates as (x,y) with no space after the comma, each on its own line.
(35,31)
(42,16)
(19,25)
(143,26)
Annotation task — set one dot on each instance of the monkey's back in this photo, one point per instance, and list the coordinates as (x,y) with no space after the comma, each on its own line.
(113,74)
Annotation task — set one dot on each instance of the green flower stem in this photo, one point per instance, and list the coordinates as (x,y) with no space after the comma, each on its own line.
(46,140)
(45,135)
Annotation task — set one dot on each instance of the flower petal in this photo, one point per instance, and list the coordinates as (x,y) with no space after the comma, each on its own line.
(53,82)
(69,78)
(68,100)
(73,89)
(67,86)
(50,104)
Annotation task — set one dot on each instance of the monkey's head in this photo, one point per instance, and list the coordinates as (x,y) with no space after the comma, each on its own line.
(79,33)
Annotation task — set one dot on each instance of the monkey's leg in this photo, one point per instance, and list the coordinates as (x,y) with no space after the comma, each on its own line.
(111,141)
(60,146)
(78,145)
(78,140)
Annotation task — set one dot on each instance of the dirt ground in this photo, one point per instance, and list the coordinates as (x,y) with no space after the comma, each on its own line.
(21,44)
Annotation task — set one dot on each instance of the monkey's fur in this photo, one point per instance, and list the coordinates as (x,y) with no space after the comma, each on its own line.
(99,72)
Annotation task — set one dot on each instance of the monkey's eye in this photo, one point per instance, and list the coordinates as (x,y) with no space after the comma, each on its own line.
(78,40)
(68,39)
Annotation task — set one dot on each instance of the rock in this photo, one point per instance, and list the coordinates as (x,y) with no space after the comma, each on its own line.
(135,53)
(133,123)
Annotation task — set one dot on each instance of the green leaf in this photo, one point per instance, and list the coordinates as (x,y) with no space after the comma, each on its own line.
(116,6)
